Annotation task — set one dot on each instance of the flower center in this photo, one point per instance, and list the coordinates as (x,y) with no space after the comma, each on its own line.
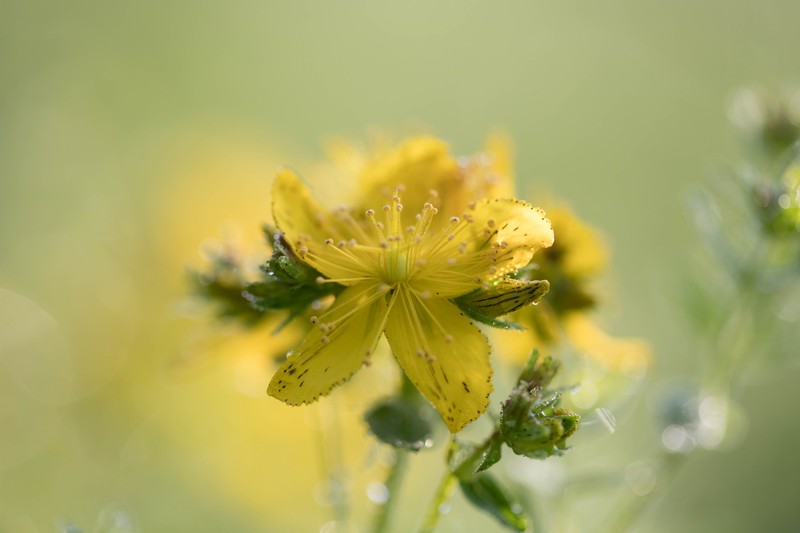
(397,268)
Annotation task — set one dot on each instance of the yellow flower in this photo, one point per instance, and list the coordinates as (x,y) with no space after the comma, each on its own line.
(399,281)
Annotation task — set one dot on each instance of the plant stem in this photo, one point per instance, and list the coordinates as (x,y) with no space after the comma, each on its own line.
(393,481)
(397,471)
(439,499)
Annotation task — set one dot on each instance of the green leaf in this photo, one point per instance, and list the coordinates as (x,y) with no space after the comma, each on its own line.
(400,422)
(491,455)
(485,493)
(467,458)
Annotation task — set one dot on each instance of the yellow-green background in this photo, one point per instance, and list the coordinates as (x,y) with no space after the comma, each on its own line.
(131,131)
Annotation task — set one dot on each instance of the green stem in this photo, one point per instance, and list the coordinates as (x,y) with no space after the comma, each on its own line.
(437,504)
(465,470)
(392,483)
(396,472)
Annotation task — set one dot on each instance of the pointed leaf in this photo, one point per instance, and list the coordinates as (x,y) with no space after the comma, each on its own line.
(484,492)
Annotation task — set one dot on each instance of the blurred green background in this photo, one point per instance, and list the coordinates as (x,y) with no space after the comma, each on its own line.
(131,132)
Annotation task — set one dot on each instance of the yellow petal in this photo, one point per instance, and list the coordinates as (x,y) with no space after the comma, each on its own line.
(499,148)
(419,164)
(579,251)
(329,356)
(444,354)
(626,354)
(296,213)
(321,238)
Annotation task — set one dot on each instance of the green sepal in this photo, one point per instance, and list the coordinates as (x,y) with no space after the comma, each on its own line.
(288,284)
(401,422)
(531,423)
(484,492)
(504,296)
(489,321)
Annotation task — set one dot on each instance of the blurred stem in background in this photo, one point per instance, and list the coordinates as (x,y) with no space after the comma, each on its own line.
(749,221)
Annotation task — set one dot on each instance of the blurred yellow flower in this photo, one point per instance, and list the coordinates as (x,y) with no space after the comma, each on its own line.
(574,261)
(399,279)
(423,164)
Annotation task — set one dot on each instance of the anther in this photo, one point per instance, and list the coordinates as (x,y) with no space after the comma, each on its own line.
(386,208)
(448,338)
(320,280)
(455,220)
(328,241)
(399,207)
(370,212)
(314,320)
(302,251)
(451,237)
(451,261)
(467,217)
(324,339)
(490,223)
